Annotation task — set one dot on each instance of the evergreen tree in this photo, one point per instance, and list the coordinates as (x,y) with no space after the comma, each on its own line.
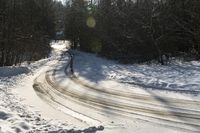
(26,28)
(135,31)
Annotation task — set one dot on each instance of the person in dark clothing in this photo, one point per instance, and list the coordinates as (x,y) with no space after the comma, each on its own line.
(71,64)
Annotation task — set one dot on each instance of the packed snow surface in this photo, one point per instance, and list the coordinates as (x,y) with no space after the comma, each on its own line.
(118,106)
(21,110)
(176,76)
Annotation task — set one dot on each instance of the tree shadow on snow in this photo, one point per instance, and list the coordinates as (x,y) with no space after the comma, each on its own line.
(96,74)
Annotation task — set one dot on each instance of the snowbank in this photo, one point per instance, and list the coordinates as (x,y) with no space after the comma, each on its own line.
(177,76)
(57,48)
(20,108)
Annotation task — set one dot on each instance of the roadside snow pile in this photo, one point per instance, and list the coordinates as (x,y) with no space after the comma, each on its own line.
(9,76)
(18,72)
(18,117)
(177,76)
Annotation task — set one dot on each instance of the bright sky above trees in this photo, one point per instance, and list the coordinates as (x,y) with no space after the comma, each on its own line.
(63,1)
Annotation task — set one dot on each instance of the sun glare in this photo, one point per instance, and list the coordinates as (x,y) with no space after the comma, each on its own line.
(61,45)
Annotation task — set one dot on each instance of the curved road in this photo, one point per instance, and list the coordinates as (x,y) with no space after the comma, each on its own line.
(110,107)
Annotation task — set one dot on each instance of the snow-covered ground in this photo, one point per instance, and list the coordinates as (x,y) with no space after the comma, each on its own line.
(137,98)
(21,110)
(104,99)
(177,76)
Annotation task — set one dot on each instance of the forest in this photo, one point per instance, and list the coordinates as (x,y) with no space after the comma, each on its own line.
(135,30)
(129,31)
(26,28)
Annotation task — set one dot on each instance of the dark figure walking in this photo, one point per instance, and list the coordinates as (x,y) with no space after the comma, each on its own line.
(71,64)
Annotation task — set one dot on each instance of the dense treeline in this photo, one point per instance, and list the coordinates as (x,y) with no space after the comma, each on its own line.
(59,20)
(26,27)
(134,30)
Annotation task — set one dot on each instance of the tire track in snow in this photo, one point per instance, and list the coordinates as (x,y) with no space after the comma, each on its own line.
(174,114)
(191,118)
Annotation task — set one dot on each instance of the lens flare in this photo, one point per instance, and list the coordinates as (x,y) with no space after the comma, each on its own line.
(91,22)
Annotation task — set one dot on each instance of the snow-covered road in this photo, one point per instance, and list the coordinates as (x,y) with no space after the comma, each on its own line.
(116,107)
(42,98)
(22,111)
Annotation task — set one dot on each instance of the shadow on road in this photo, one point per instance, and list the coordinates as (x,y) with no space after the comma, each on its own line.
(88,130)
